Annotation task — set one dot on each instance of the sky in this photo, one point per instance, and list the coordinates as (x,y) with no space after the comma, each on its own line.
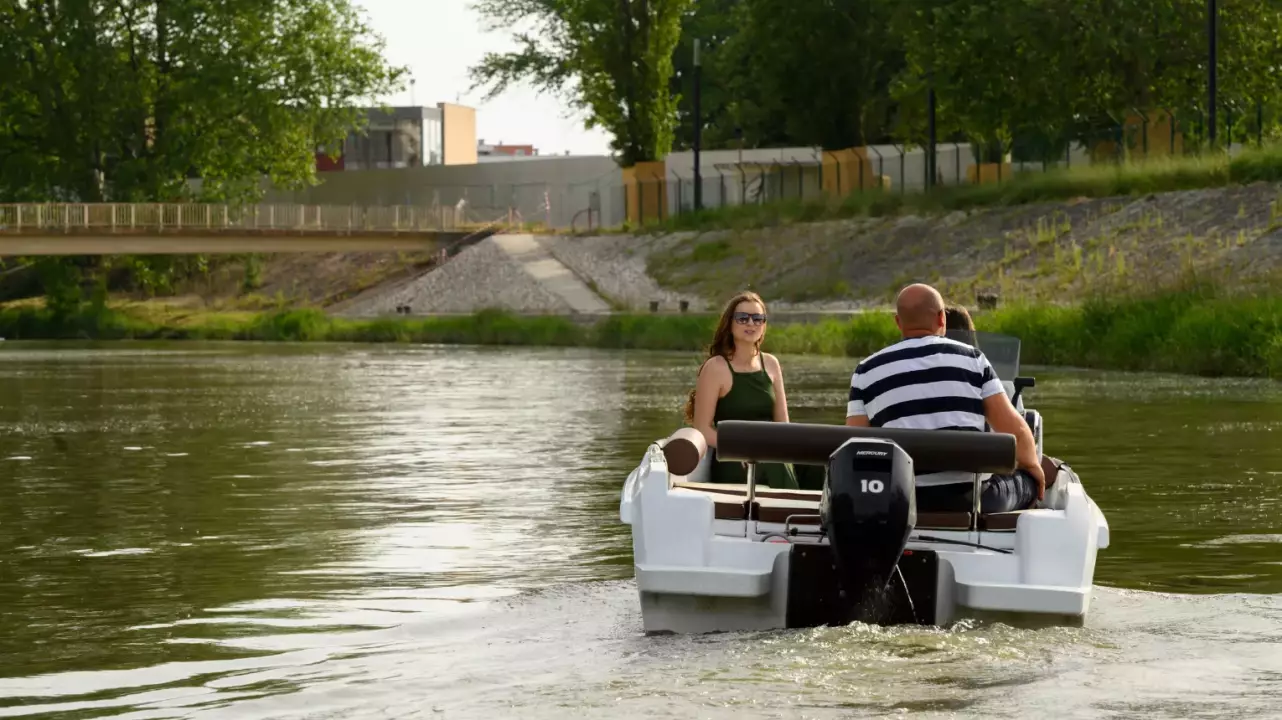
(438,40)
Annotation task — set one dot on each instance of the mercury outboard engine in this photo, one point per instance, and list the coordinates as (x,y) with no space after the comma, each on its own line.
(868,510)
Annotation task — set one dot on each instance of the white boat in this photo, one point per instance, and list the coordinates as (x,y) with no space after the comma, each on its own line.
(719,557)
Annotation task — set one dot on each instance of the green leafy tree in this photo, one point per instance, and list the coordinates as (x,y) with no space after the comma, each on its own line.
(1040,74)
(127,101)
(110,101)
(712,23)
(999,70)
(812,72)
(610,58)
(1250,51)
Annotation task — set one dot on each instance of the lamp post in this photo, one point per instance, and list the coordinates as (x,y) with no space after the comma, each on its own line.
(698,129)
(1212,13)
(931,153)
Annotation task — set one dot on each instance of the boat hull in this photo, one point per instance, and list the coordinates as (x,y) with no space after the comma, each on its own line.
(702,568)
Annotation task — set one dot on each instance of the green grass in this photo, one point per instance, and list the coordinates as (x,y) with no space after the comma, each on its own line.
(1196,330)
(1257,164)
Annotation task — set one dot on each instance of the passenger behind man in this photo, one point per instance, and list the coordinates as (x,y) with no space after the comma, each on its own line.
(739,382)
(930,382)
(957,323)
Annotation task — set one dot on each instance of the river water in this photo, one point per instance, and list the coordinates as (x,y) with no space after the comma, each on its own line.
(259,531)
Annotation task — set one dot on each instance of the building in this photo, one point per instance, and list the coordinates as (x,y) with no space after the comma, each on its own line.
(403,137)
(490,153)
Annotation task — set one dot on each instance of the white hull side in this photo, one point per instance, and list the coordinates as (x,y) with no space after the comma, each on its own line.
(696,573)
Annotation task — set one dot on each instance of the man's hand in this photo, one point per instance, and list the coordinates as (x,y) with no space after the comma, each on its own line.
(1037,472)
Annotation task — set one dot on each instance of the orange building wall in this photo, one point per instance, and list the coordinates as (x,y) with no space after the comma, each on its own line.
(459,128)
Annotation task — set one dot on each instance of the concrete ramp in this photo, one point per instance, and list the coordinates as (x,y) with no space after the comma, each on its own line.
(551,273)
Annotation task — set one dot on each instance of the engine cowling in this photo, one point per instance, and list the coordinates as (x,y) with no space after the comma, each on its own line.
(868,510)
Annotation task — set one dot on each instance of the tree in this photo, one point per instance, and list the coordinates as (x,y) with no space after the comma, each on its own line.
(998,68)
(116,101)
(1044,73)
(812,72)
(712,23)
(1250,52)
(126,101)
(611,58)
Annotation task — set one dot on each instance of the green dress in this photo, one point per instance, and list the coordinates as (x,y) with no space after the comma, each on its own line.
(751,397)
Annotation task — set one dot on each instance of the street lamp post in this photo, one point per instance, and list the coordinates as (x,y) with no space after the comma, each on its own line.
(699,131)
(1212,13)
(931,153)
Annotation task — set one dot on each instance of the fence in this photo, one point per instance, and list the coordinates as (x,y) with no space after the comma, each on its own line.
(590,193)
(891,169)
(539,205)
(33,218)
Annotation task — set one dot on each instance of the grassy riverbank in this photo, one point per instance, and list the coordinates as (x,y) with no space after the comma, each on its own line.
(1199,330)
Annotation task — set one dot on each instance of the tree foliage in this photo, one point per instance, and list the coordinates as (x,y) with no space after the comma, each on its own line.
(712,22)
(1030,74)
(812,72)
(1054,71)
(611,58)
(128,100)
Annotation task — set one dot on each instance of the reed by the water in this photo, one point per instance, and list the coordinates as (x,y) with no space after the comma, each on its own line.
(1196,330)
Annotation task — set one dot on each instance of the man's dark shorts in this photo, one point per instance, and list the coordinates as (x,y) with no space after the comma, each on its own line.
(1001,493)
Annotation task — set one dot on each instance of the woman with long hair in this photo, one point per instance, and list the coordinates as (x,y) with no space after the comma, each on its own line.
(739,382)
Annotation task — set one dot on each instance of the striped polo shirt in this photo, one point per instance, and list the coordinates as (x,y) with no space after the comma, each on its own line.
(925,383)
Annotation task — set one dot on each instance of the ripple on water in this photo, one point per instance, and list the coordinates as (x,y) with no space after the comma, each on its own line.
(367,532)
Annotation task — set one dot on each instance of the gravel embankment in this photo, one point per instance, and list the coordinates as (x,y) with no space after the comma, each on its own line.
(616,265)
(480,277)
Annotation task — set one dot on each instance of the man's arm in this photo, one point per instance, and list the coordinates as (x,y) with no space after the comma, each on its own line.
(1004,418)
(856,413)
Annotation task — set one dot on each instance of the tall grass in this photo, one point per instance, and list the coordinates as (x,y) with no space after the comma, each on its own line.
(1198,330)
(1259,164)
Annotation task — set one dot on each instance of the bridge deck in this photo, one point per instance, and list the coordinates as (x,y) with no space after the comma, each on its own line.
(111,228)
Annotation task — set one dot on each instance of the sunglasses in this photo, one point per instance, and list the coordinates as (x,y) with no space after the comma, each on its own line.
(744,318)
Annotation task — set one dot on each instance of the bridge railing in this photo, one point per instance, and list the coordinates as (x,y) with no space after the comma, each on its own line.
(180,217)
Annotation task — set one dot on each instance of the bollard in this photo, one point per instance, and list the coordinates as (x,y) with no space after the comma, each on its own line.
(685,305)
(654,306)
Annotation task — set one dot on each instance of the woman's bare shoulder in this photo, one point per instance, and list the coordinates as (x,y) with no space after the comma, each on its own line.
(715,366)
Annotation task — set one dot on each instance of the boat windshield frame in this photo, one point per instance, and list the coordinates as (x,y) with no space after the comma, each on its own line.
(1001,350)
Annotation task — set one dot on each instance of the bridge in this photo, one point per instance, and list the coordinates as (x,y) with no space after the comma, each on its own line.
(175,229)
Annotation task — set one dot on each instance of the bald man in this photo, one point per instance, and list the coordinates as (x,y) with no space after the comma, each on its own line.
(930,382)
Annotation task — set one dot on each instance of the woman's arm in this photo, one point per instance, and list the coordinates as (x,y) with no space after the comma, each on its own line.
(707,391)
(781,398)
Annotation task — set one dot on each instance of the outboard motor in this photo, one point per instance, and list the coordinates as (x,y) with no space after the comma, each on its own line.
(868,510)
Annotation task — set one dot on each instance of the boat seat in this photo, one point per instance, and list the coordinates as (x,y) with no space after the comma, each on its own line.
(776,506)
(999,522)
